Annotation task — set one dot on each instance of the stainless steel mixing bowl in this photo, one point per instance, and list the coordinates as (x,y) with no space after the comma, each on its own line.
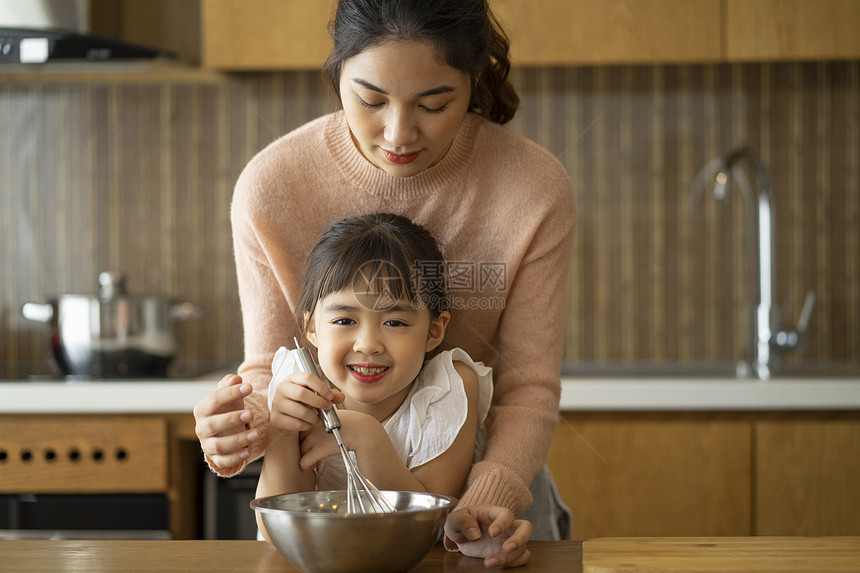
(316,535)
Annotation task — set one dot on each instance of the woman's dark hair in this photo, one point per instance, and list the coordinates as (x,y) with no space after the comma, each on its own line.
(466,34)
(384,255)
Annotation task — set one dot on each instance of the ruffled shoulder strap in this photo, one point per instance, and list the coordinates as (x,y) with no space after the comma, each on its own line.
(427,423)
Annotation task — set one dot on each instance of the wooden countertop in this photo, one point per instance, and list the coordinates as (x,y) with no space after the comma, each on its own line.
(577,395)
(724,554)
(22,556)
(631,555)
(167,396)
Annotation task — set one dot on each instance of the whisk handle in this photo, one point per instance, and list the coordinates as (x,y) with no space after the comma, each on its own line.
(306,364)
(330,420)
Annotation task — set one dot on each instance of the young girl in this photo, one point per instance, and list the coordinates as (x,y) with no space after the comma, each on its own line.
(374,306)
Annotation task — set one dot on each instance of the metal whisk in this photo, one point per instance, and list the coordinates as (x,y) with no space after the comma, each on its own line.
(361,495)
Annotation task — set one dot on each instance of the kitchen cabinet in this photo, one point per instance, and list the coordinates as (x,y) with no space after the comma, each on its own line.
(792,30)
(653,475)
(807,477)
(709,473)
(265,35)
(105,454)
(593,32)
(276,34)
(166,24)
(253,35)
(83,455)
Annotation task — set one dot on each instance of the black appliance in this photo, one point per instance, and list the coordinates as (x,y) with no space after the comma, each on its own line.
(79,516)
(32,46)
(227,512)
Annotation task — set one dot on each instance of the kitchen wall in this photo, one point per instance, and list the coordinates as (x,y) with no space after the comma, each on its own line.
(139,177)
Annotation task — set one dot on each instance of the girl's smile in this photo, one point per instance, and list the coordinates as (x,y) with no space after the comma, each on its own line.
(367,374)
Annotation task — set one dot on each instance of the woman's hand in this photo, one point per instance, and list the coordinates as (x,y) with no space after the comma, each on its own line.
(221,423)
(491,533)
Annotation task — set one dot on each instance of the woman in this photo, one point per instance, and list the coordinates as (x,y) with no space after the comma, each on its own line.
(423,88)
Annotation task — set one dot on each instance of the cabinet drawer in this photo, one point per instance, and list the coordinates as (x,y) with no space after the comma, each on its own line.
(792,30)
(265,34)
(77,454)
(597,32)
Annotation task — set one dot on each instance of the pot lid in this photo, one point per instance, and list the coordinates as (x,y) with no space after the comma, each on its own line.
(111,284)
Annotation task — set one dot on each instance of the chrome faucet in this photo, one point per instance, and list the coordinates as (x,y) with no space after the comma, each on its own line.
(767,339)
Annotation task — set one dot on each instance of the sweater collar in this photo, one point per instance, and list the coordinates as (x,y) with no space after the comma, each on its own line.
(371,179)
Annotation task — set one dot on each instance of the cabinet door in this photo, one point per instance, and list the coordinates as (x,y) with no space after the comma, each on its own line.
(654,476)
(165,24)
(265,34)
(807,477)
(792,29)
(82,454)
(570,32)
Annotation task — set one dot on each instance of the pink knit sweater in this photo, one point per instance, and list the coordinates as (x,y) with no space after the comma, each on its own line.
(503,209)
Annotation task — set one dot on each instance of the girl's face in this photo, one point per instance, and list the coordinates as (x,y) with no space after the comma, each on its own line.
(373,354)
(403,105)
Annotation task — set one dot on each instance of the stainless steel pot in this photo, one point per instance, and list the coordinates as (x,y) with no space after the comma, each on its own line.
(112,334)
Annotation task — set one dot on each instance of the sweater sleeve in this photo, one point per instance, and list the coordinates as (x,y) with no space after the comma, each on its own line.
(529,346)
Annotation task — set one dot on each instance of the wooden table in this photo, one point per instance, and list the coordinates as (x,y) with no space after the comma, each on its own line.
(215,556)
(609,555)
(723,554)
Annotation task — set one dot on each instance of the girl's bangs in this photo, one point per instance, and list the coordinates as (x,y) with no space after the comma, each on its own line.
(378,279)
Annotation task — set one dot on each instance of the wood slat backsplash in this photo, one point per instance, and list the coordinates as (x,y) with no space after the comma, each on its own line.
(139,178)
(658,275)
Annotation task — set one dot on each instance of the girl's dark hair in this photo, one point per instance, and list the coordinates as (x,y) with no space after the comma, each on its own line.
(466,34)
(383,254)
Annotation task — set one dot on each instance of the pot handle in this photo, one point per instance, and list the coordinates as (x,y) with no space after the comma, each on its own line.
(185,311)
(38,312)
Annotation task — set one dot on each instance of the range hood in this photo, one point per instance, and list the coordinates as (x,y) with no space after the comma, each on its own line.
(56,31)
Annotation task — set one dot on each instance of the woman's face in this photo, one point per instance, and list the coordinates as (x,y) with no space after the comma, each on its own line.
(403,105)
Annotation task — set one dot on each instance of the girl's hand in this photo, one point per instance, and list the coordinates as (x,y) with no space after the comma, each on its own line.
(297,401)
(491,533)
(360,433)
